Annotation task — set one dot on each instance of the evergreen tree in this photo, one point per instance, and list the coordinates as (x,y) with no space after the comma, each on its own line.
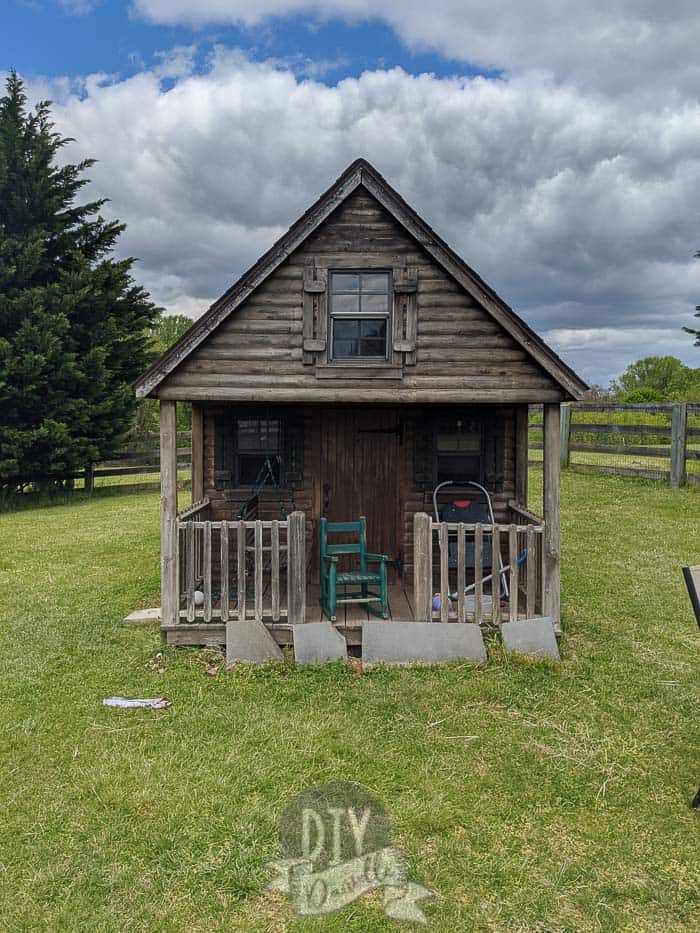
(74,327)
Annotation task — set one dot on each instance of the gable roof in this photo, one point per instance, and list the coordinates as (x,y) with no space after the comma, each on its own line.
(361,173)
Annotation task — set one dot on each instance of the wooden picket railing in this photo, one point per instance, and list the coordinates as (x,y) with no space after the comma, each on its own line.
(485,599)
(240,570)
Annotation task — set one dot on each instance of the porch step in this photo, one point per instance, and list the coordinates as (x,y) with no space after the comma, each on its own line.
(318,643)
(251,642)
(533,637)
(143,617)
(421,643)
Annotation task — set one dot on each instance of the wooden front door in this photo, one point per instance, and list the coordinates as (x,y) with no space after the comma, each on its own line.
(360,474)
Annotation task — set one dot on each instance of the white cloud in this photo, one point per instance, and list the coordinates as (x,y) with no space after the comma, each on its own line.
(577,209)
(612,44)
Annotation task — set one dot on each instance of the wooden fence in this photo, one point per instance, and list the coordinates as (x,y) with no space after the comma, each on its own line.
(660,441)
(137,467)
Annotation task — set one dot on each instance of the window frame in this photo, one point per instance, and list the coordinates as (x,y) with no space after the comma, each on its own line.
(238,454)
(481,454)
(359,316)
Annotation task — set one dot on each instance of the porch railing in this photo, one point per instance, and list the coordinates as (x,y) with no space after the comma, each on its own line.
(454,580)
(240,570)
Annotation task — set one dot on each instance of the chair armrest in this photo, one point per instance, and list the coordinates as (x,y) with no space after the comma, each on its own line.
(382,557)
(331,558)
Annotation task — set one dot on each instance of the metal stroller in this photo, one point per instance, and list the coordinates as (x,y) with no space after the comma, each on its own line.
(470,512)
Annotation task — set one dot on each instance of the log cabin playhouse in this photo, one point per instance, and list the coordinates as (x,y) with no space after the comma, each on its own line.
(366,362)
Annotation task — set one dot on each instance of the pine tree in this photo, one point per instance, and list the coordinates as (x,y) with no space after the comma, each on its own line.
(73,324)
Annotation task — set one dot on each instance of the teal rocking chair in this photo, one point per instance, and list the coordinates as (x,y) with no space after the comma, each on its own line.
(361,580)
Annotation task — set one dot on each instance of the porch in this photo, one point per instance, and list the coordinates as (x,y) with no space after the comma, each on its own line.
(260,570)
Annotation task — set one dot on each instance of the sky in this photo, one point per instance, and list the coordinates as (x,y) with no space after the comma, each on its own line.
(555,146)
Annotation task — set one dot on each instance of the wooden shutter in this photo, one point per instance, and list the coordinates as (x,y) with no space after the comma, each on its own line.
(494,451)
(315,311)
(404,324)
(224,452)
(423,453)
(293,449)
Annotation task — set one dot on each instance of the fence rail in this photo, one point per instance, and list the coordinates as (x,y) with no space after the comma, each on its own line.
(660,442)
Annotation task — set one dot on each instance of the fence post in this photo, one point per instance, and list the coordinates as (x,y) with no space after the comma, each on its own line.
(565,431)
(89,480)
(423,567)
(296,568)
(169,584)
(679,426)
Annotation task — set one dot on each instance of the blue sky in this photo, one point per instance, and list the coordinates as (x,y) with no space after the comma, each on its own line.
(55,39)
(556,147)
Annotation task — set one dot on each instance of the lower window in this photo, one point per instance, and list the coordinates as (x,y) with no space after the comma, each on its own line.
(257,441)
(458,451)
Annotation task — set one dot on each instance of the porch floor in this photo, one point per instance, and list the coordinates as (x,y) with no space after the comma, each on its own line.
(400,608)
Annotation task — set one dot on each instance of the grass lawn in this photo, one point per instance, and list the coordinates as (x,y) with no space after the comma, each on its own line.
(568,812)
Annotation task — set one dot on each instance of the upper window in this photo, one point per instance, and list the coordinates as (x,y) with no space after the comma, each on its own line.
(360,303)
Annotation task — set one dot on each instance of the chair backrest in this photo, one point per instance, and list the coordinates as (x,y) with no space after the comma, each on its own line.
(356,531)
(692,581)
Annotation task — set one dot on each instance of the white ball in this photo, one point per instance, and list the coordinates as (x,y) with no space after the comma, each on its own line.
(198,598)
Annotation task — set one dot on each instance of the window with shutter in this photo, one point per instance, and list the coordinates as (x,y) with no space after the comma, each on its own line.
(458,448)
(244,443)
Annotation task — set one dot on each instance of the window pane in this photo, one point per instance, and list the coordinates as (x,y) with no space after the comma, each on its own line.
(344,348)
(250,468)
(248,434)
(345,282)
(375,304)
(377,282)
(373,338)
(346,330)
(255,434)
(458,468)
(346,304)
(459,442)
(373,329)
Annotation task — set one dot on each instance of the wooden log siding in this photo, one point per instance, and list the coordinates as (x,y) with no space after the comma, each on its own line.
(458,353)
(237,566)
(525,598)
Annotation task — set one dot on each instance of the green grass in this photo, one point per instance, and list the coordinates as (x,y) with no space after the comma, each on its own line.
(569,812)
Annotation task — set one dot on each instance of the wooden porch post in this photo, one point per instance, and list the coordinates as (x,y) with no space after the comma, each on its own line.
(197,453)
(168,513)
(551,556)
(296,568)
(423,567)
(522,451)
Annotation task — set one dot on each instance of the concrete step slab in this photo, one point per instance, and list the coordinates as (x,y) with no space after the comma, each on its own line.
(318,643)
(421,642)
(143,617)
(533,637)
(251,642)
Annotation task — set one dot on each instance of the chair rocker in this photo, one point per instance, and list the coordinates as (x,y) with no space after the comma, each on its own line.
(361,580)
